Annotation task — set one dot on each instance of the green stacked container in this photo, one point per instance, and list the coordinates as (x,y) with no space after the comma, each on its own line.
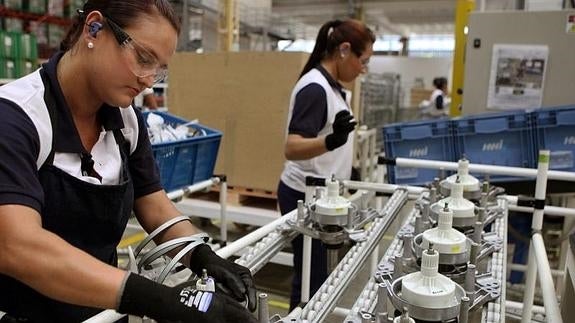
(28,47)
(8,68)
(35,6)
(9,44)
(25,67)
(13,24)
(55,35)
(13,4)
(73,5)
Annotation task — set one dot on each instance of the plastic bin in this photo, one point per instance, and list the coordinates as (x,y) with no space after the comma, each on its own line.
(554,129)
(8,68)
(503,139)
(188,161)
(28,47)
(423,140)
(10,44)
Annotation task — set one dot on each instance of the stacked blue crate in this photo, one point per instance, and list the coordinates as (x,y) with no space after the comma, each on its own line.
(554,130)
(186,161)
(430,139)
(503,139)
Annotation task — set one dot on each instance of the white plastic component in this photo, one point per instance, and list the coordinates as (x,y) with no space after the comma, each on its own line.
(461,207)
(444,238)
(428,288)
(402,319)
(332,204)
(206,283)
(470,183)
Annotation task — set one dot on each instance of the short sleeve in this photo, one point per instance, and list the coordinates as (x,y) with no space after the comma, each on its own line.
(19,149)
(309,112)
(143,167)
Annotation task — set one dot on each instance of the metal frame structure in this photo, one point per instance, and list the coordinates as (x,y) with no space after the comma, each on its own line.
(260,245)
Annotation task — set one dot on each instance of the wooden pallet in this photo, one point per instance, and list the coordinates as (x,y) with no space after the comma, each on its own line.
(244,196)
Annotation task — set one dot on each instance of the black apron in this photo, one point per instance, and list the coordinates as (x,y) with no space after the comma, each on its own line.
(88,216)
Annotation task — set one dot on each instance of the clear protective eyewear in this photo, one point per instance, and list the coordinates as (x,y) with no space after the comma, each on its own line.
(139,60)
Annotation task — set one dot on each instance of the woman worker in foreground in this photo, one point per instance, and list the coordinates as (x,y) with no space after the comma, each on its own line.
(75,160)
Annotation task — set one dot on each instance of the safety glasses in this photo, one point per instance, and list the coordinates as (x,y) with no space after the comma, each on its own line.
(139,60)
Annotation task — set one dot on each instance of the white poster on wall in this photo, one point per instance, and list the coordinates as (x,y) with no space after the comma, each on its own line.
(517,76)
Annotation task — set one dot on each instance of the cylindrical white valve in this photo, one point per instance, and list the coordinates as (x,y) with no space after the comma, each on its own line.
(461,207)
(457,189)
(470,183)
(444,238)
(332,204)
(429,263)
(332,188)
(428,288)
(463,167)
(445,218)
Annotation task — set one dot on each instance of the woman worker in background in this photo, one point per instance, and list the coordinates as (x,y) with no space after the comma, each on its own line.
(320,124)
(75,160)
(438,104)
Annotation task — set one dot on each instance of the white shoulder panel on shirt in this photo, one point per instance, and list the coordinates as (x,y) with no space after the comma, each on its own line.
(28,93)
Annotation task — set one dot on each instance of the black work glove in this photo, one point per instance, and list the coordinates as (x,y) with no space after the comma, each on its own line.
(182,303)
(343,124)
(233,279)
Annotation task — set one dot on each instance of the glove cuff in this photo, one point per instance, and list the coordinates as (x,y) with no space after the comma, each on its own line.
(332,141)
(142,296)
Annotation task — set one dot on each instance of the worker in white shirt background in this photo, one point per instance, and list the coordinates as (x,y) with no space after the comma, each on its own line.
(146,99)
(438,104)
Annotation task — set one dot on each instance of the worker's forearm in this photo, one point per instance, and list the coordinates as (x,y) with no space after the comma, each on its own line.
(299,148)
(60,271)
(156,209)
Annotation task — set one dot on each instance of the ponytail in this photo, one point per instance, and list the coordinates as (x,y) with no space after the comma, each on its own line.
(320,48)
(332,34)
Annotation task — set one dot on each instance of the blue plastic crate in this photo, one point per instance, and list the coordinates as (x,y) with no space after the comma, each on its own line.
(187,161)
(554,129)
(421,140)
(503,139)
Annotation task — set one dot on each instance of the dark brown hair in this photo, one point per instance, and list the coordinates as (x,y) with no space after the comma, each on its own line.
(440,82)
(122,12)
(335,32)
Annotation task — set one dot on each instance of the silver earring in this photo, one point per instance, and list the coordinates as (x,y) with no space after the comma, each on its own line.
(90,45)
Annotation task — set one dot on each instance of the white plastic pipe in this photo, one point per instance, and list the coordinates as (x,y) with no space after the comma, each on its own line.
(174,195)
(108,316)
(519,306)
(549,210)
(536,225)
(340,311)
(380,187)
(552,311)
(254,236)
(224,212)
(523,268)
(485,169)
(306,269)
(380,178)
